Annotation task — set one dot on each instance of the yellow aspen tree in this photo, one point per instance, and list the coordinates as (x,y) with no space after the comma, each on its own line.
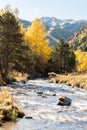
(36,35)
(81,58)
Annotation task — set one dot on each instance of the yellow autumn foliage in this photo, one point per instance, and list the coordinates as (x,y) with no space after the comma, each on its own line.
(81,58)
(36,37)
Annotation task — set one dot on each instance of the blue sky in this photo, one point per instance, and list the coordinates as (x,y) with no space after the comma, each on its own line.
(62,9)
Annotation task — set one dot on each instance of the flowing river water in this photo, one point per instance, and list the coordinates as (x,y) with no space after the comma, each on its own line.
(39,98)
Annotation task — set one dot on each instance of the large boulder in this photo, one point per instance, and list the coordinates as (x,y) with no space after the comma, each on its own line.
(52,75)
(64,101)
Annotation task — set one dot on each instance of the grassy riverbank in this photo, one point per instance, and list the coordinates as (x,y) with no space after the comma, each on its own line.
(9,111)
(75,80)
(14,76)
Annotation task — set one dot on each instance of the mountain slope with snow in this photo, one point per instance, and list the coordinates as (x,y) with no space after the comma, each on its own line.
(59,28)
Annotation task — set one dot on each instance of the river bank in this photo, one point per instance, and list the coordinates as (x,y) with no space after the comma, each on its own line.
(14,76)
(39,99)
(74,80)
(9,110)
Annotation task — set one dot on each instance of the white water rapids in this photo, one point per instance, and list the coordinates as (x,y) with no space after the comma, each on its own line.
(43,108)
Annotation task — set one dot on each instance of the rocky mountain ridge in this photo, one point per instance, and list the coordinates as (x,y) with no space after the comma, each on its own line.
(79,39)
(59,28)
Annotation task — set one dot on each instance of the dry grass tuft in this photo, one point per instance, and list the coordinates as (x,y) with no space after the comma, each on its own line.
(5,96)
(9,111)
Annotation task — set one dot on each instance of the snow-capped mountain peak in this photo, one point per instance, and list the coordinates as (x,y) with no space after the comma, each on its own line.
(60,28)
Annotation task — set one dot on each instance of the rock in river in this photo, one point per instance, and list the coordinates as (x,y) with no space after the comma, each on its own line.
(52,75)
(28,117)
(64,101)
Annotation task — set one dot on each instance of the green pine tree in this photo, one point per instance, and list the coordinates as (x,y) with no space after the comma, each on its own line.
(63,59)
(11,43)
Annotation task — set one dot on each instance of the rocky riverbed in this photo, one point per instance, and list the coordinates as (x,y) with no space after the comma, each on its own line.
(39,99)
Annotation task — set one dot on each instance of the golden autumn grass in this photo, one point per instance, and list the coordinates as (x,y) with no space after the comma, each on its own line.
(9,111)
(4,95)
(17,76)
(74,80)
